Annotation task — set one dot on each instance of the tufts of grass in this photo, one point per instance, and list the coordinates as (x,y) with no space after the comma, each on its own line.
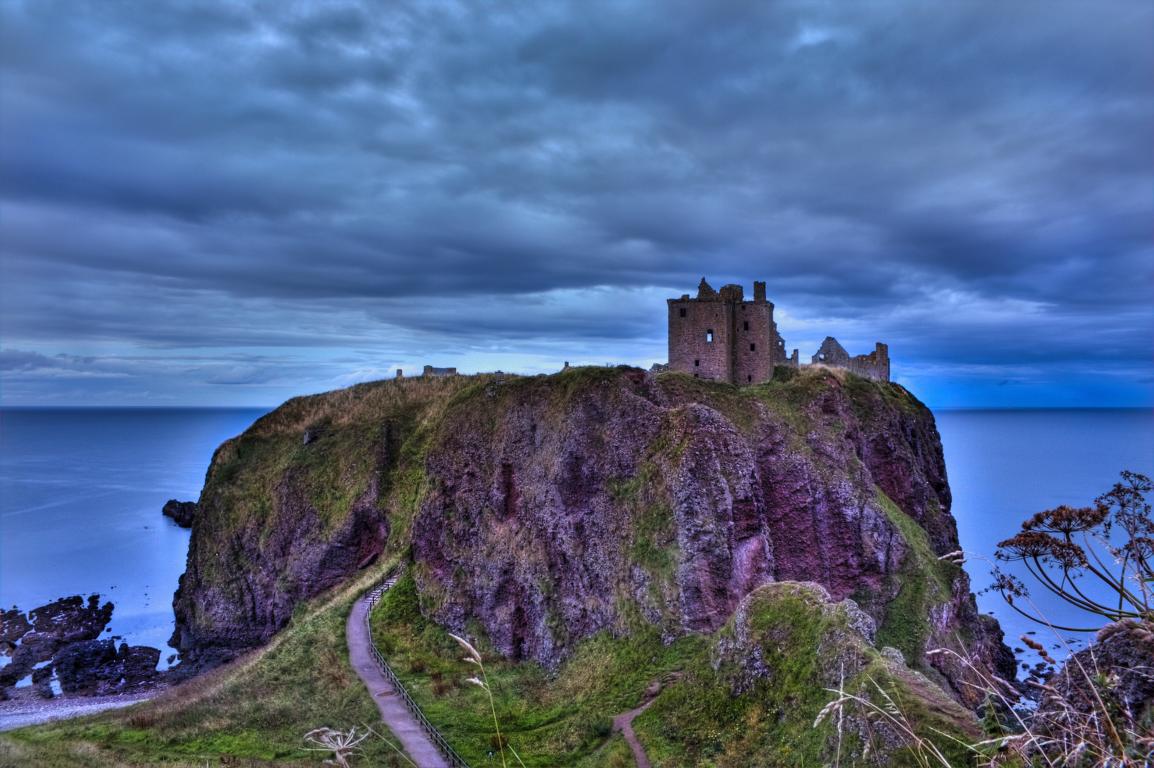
(549,719)
(704,716)
(253,711)
(923,582)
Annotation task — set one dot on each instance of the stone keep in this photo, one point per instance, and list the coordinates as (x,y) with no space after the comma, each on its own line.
(721,336)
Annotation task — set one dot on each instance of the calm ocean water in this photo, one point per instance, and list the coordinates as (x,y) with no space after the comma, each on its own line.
(1006,465)
(81,492)
(80,497)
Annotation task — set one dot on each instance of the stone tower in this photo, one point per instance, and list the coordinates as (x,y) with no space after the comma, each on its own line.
(721,336)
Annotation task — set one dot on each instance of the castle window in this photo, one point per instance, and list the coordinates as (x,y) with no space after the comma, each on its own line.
(752,347)
(749,378)
(696,363)
(683,311)
(745,326)
(709,336)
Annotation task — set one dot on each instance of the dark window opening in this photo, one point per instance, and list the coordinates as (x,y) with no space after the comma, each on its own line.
(696,376)
(683,311)
(752,347)
(696,363)
(745,326)
(749,378)
(709,336)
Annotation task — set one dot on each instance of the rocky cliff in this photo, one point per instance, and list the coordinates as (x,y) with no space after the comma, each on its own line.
(541,510)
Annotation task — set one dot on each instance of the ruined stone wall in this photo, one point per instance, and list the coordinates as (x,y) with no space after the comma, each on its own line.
(831,353)
(875,365)
(720,336)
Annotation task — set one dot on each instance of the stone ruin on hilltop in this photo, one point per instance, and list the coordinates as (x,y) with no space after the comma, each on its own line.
(720,336)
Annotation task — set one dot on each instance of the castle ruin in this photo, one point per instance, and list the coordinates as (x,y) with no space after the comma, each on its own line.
(875,365)
(722,337)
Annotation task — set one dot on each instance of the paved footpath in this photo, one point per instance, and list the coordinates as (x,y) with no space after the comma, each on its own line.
(393,711)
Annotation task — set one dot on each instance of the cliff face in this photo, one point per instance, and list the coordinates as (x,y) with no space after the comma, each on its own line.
(542,510)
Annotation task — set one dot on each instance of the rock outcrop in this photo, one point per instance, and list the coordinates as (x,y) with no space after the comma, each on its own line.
(180,512)
(1117,670)
(100,668)
(543,510)
(35,638)
(60,641)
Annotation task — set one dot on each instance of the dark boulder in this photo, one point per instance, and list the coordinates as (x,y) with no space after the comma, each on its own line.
(1116,670)
(181,512)
(98,667)
(42,682)
(13,626)
(35,638)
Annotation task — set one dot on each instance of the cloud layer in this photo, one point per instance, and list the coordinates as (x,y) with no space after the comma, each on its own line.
(233,203)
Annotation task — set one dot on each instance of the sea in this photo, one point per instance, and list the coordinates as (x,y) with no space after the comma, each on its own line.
(1006,465)
(81,492)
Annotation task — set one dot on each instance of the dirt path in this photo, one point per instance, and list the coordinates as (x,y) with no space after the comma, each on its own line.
(399,720)
(624,723)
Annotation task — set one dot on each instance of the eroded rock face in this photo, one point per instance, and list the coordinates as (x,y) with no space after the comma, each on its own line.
(543,510)
(550,518)
(845,633)
(276,563)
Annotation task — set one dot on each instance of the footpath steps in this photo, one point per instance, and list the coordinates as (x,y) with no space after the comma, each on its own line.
(424,745)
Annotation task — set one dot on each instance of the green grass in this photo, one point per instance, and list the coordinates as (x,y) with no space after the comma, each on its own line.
(702,718)
(924,582)
(551,720)
(251,712)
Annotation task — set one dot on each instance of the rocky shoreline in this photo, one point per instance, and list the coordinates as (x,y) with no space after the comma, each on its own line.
(25,707)
(58,648)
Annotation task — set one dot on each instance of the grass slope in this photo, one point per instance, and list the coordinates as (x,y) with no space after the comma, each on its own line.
(252,712)
(564,719)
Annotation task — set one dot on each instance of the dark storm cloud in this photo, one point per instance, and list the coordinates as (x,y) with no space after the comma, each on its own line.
(970,181)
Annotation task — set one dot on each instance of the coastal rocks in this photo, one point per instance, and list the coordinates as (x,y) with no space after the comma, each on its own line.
(181,512)
(36,637)
(100,668)
(13,626)
(1117,669)
(58,643)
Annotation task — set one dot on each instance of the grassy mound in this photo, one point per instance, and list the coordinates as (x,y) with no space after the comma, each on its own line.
(711,712)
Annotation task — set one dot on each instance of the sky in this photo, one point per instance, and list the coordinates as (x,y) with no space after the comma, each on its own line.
(232,203)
